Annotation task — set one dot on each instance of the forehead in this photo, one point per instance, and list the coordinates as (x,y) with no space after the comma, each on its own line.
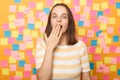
(59,10)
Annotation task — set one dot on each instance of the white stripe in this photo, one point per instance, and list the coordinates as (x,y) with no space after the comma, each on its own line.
(77,70)
(70,62)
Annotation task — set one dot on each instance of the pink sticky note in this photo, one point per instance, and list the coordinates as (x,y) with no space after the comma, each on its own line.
(92,49)
(106,69)
(106,50)
(113,60)
(86,9)
(103,19)
(11,40)
(103,44)
(32,60)
(33,77)
(94,77)
(117,50)
(19,15)
(116,79)
(76,2)
(97,57)
(32,4)
(93,20)
(37,14)
(73,10)
(119,29)
(106,77)
(31,20)
(28,52)
(19,22)
(76,17)
(86,23)
(27,67)
(42,29)
(26,74)
(112,2)
(12,8)
(113,48)
(85,39)
(110,30)
(89,2)
(95,28)
(13,67)
(4,63)
(49,2)
(77,8)
(7,51)
(15,55)
(12,78)
(17,78)
(99,70)
(5,26)
(90,33)
(20,29)
(27,10)
(83,17)
(22,46)
(107,11)
(27,38)
(93,13)
(43,17)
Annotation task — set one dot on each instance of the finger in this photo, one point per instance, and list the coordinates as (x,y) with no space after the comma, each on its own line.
(57,30)
(60,34)
(53,29)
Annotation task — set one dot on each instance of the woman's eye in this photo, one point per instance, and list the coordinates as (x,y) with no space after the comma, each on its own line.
(64,17)
(54,16)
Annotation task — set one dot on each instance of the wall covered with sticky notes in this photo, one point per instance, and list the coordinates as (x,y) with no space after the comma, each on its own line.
(22,24)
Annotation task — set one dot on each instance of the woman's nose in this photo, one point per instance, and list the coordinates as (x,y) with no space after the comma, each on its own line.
(59,19)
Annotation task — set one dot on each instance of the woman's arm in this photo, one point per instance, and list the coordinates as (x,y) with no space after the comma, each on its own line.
(86,76)
(45,72)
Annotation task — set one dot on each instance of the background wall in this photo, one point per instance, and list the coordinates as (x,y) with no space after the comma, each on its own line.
(22,23)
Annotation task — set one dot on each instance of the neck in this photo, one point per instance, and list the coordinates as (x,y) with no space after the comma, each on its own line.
(63,40)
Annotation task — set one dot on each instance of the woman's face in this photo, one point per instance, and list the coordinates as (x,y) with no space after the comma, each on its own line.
(59,16)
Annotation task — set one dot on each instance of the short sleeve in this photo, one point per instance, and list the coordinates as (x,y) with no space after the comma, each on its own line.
(40,52)
(85,65)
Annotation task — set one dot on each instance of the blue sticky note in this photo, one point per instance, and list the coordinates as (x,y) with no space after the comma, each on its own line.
(46,10)
(15,47)
(17,1)
(93,42)
(119,72)
(21,63)
(91,65)
(7,33)
(31,26)
(98,33)
(20,37)
(117,4)
(80,23)
(115,38)
(99,13)
(34,71)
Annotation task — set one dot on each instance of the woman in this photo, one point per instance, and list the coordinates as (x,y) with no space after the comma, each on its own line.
(60,56)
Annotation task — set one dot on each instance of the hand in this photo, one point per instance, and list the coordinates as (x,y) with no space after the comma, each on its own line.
(54,37)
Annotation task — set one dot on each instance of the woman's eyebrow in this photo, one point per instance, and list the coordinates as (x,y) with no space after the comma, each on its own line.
(62,13)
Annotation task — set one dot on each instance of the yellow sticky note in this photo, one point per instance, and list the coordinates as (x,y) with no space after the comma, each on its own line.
(5,71)
(103,26)
(113,68)
(11,17)
(31,14)
(81,32)
(112,20)
(91,72)
(12,60)
(98,63)
(118,12)
(21,8)
(44,23)
(22,54)
(19,73)
(12,25)
(96,6)
(83,2)
(57,1)
(98,41)
(26,32)
(67,1)
(90,57)
(98,50)
(34,34)
(30,45)
(108,40)
(34,51)
(107,60)
(14,34)
(104,5)
(3,41)
(38,24)
(39,5)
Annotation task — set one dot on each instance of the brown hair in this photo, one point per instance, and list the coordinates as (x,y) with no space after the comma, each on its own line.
(71,25)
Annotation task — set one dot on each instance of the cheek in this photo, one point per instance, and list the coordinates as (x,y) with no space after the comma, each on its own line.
(53,22)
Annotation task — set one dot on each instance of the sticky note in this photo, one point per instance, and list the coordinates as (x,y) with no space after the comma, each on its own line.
(99,13)
(112,20)
(49,2)
(118,12)
(107,60)
(112,48)
(97,57)
(89,2)
(80,23)
(15,55)
(17,1)
(13,67)
(93,42)
(30,14)
(108,40)
(81,32)
(15,47)
(104,5)
(46,10)
(92,49)
(20,37)
(21,63)
(27,74)
(31,20)
(96,6)
(4,63)
(5,26)
(19,22)
(7,51)
(7,33)
(22,55)
(3,41)
(34,71)
(112,2)
(12,8)
(106,50)
(103,26)
(103,19)
(30,45)
(113,60)
(83,2)
(12,60)
(107,11)
(34,34)
(98,63)
(5,71)
(118,72)
(67,1)
(98,50)
(91,65)
(21,8)
(31,26)
(28,52)
(38,24)
(93,13)
(27,11)
(32,60)
(113,68)
(32,4)
(110,30)
(93,20)
(90,33)
(77,8)
(117,50)
(106,70)
(26,32)
(11,40)
(11,17)
(27,67)
(12,25)
(22,46)
(14,33)
(57,1)
(39,5)
(115,38)
(106,77)
(117,4)
(19,73)
(20,15)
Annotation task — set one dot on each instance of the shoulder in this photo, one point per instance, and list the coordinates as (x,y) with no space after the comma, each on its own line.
(81,43)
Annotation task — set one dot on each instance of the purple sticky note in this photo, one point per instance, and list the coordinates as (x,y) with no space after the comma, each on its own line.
(7,51)
(5,26)
(32,4)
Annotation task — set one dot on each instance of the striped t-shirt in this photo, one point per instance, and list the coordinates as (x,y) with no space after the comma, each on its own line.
(68,60)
